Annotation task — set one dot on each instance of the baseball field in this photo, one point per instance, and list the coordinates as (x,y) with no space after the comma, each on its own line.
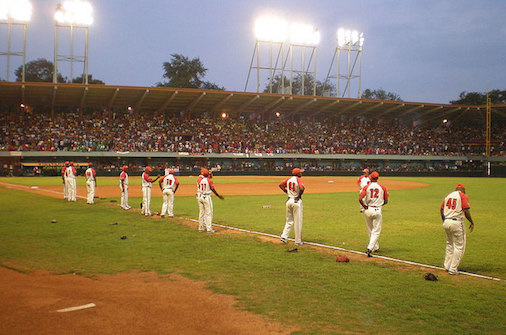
(148,275)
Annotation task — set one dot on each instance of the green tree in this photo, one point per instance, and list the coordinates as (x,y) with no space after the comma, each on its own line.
(39,70)
(91,81)
(478,98)
(297,85)
(185,73)
(380,94)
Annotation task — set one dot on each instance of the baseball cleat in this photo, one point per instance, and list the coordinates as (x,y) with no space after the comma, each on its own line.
(212,231)
(300,243)
(284,240)
(368,252)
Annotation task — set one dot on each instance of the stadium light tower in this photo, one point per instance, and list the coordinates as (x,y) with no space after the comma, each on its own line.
(350,42)
(72,14)
(272,32)
(15,13)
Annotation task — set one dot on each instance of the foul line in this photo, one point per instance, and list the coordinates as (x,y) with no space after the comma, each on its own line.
(29,188)
(354,252)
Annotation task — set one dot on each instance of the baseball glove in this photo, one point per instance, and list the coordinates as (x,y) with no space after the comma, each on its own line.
(430,276)
(342,259)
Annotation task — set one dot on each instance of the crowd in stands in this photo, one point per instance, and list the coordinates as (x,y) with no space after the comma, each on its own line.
(133,133)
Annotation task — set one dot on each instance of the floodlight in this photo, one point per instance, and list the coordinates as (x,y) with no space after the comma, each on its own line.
(349,37)
(16,10)
(271,29)
(74,12)
(278,114)
(224,115)
(304,34)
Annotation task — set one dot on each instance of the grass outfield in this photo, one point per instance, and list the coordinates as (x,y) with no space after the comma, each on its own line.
(307,289)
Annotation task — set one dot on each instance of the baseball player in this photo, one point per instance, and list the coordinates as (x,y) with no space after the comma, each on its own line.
(205,189)
(147,183)
(64,180)
(372,198)
(293,187)
(70,176)
(453,209)
(169,185)
(123,185)
(362,181)
(91,183)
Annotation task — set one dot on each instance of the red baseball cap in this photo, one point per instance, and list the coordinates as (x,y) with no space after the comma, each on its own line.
(374,175)
(90,164)
(71,163)
(171,171)
(148,168)
(204,172)
(365,171)
(125,167)
(460,186)
(296,171)
(67,163)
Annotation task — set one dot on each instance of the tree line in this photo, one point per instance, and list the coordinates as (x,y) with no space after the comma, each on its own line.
(184,72)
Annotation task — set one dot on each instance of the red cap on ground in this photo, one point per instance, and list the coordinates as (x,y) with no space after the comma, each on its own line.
(375,175)
(296,171)
(365,171)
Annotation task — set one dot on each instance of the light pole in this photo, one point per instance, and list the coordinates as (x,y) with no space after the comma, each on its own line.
(15,13)
(72,14)
(350,42)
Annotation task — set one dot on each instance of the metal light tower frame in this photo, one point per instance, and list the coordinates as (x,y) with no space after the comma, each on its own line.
(349,42)
(15,13)
(303,69)
(73,14)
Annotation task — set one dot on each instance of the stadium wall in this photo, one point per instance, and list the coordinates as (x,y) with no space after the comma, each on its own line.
(109,163)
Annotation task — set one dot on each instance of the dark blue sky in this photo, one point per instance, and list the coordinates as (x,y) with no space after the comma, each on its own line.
(425,51)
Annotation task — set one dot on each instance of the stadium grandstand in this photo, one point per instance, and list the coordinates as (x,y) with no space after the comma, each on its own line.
(44,124)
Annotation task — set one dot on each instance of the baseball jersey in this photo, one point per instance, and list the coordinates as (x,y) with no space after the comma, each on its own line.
(204,186)
(63,169)
(169,182)
(363,181)
(123,178)
(90,174)
(293,186)
(146,180)
(454,204)
(70,172)
(374,194)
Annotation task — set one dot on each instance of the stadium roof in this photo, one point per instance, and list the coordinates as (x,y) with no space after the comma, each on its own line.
(49,95)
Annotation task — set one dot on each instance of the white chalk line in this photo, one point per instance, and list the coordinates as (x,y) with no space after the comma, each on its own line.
(29,188)
(355,252)
(76,308)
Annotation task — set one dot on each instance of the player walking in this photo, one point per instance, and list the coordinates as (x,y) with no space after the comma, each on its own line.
(123,185)
(169,185)
(362,181)
(147,183)
(294,188)
(453,209)
(372,198)
(91,183)
(70,176)
(205,189)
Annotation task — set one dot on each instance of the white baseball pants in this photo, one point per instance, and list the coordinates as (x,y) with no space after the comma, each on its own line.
(293,218)
(72,189)
(124,197)
(146,201)
(168,202)
(373,222)
(205,212)
(455,243)
(90,189)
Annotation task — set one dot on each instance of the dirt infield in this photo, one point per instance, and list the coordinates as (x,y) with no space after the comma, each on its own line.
(313,185)
(139,303)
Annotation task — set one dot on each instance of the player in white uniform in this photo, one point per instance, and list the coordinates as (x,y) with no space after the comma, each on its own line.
(205,189)
(362,181)
(123,185)
(91,183)
(294,188)
(70,176)
(64,181)
(453,209)
(169,185)
(147,183)
(372,198)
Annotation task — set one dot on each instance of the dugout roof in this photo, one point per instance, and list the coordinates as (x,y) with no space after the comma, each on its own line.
(50,96)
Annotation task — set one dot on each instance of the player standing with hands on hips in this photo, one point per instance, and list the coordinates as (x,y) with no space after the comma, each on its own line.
(294,188)
(372,198)
(168,185)
(453,209)
(91,183)
(205,189)
(147,183)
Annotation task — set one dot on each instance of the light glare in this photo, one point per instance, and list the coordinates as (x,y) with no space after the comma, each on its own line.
(346,37)
(304,34)
(271,29)
(17,10)
(77,12)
